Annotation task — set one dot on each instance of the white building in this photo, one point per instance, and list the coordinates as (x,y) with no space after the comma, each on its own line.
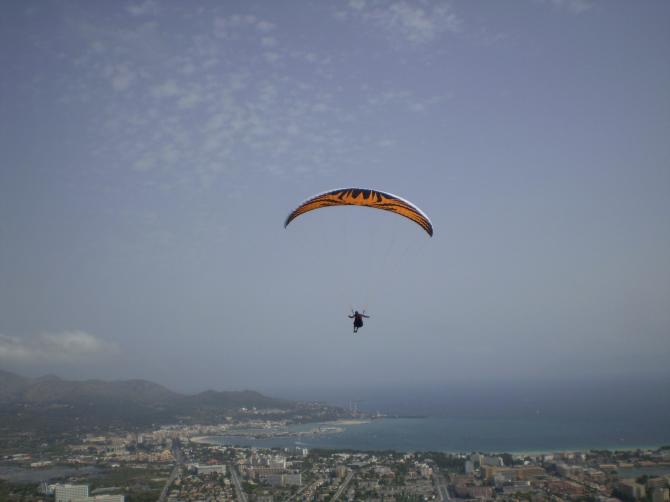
(632,489)
(210,469)
(297,451)
(425,470)
(492,461)
(476,458)
(272,479)
(293,479)
(69,493)
(277,462)
(341,471)
(281,479)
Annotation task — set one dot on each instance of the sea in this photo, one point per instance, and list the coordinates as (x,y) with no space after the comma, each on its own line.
(511,435)
(17,474)
(514,417)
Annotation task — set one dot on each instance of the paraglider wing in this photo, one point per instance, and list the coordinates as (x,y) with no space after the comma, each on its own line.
(364,197)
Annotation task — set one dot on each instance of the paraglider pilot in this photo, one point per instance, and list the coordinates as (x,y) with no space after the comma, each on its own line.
(358,319)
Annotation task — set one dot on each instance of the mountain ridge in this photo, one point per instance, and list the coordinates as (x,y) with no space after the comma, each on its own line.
(54,403)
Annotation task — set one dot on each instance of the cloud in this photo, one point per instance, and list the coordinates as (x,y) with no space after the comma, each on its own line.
(416,22)
(269,42)
(120,77)
(141,9)
(228,26)
(166,89)
(68,346)
(265,26)
(272,57)
(235,96)
(574,6)
(229,98)
(404,99)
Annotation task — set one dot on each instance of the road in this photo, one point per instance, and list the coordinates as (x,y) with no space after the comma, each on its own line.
(343,486)
(440,484)
(176,452)
(239,492)
(309,488)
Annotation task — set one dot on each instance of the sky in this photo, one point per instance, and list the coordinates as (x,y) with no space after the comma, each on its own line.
(150,152)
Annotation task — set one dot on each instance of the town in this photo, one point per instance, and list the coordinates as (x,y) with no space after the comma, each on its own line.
(182,463)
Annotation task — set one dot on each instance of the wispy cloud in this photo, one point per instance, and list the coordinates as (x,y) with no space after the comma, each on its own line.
(142,8)
(405,100)
(68,346)
(416,22)
(120,77)
(234,98)
(573,6)
(233,95)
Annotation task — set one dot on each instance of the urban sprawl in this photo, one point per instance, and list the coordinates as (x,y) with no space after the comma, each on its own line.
(178,463)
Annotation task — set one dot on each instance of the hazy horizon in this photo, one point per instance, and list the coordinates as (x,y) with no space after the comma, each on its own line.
(621,399)
(150,152)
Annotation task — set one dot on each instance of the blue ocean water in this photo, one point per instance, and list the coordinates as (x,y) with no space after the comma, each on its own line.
(492,416)
(477,434)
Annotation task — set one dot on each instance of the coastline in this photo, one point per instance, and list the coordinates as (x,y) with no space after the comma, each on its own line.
(201,439)
(210,440)
(449,436)
(318,428)
(349,421)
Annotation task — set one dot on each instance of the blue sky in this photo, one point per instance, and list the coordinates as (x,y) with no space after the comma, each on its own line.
(150,151)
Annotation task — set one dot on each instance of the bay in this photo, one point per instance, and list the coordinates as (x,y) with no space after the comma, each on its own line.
(23,475)
(466,435)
